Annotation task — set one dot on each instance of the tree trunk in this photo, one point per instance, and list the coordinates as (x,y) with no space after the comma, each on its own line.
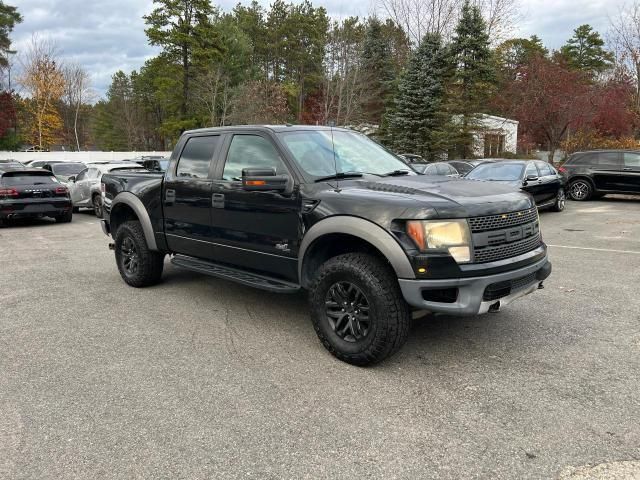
(185,80)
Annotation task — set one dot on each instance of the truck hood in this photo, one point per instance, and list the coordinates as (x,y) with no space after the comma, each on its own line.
(449,197)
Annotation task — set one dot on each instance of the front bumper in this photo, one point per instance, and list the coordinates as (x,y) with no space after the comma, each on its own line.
(473,297)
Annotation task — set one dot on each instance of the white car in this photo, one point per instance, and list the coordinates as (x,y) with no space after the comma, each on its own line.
(85,187)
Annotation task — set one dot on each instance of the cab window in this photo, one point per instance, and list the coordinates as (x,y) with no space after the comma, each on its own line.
(251,151)
(196,157)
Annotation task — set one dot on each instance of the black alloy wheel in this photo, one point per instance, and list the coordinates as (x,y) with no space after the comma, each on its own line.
(347,310)
(130,258)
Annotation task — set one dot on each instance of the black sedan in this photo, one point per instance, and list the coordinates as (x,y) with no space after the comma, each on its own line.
(465,166)
(29,193)
(534,176)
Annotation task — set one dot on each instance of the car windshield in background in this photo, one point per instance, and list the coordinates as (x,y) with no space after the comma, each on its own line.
(497,172)
(10,165)
(67,169)
(354,153)
(16,179)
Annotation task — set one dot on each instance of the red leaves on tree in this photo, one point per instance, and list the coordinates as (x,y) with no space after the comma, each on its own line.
(7,113)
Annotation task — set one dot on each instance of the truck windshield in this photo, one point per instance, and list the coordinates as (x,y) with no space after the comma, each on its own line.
(354,153)
(497,172)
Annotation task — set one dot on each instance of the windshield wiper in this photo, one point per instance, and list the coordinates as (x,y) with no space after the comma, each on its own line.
(396,173)
(338,176)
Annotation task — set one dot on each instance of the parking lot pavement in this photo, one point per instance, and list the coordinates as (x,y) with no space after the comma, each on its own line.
(201,378)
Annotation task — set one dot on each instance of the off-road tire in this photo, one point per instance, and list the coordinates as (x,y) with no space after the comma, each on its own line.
(561,199)
(66,217)
(389,314)
(580,190)
(149,263)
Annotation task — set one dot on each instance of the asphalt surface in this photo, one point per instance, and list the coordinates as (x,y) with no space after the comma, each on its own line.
(201,378)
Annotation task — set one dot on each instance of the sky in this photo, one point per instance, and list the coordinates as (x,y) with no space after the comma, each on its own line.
(105,36)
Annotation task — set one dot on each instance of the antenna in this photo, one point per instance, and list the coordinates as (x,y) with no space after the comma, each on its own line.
(332,124)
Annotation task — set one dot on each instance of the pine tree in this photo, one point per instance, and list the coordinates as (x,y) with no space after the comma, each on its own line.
(378,72)
(585,51)
(418,123)
(473,77)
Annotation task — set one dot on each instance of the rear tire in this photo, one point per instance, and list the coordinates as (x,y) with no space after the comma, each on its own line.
(96,201)
(138,266)
(357,309)
(580,190)
(65,218)
(560,201)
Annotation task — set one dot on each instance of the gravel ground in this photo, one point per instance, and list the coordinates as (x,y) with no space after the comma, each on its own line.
(200,378)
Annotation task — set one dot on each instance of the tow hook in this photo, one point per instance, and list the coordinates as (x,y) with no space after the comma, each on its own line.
(112,246)
(541,286)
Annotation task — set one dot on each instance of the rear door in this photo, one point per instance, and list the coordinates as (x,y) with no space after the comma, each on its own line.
(631,171)
(186,198)
(606,169)
(549,182)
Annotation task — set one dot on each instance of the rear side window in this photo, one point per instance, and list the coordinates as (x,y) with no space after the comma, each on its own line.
(631,159)
(544,168)
(27,178)
(608,158)
(197,156)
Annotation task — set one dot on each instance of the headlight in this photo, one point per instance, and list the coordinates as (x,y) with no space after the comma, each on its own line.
(451,235)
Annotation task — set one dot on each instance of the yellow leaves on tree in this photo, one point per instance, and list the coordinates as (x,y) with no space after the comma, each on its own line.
(44,81)
(592,140)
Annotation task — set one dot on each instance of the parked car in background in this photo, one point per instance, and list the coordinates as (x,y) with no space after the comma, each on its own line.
(437,168)
(32,193)
(595,173)
(42,163)
(156,164)
(85,186)
(465,166)
(536,177)
(10,165)
(64,170)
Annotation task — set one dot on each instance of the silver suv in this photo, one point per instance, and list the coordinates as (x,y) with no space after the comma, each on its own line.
(85,187)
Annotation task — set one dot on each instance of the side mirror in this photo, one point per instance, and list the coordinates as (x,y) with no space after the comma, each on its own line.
(530,178)
(72,179)
(264,180)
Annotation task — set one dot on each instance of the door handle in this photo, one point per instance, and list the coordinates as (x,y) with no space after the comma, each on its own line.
(169,196)
(627,169)
(217,200)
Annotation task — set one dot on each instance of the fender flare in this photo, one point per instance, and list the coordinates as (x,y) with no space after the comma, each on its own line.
(133,202)
(365,230)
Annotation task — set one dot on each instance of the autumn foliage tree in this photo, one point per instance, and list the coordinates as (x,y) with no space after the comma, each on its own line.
(548,99)
(43,80)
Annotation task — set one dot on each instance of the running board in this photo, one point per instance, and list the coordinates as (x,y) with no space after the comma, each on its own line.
(240,276)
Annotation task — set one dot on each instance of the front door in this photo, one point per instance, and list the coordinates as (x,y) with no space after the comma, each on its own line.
(79,188)
(631,171)
(256,230)
(187,198)
(534,187)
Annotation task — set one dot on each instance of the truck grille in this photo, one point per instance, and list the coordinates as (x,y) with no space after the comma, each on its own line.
(495,222)
(507,250)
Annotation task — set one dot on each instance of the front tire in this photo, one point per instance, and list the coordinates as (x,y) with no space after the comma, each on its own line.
(357,309)
(138,266)
(580,190)
(560,201)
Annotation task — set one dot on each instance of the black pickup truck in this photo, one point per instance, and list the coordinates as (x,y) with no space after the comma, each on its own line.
(328,210)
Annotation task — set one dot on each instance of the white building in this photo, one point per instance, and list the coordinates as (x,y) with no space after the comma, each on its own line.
(497,136)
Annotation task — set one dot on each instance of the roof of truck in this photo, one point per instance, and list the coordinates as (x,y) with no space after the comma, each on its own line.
(273,128)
